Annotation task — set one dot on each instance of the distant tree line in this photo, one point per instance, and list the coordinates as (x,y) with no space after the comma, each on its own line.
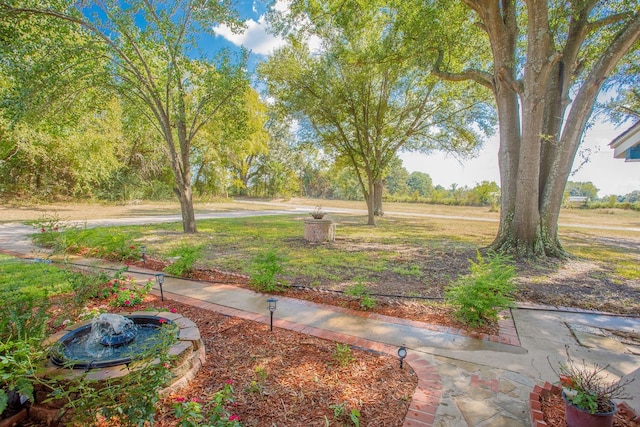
(585,195)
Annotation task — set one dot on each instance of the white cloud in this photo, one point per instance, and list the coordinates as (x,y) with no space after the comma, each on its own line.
(281,5)
(254,37)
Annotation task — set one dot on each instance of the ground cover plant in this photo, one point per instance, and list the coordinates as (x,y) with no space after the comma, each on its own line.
(411,256)
(252,377)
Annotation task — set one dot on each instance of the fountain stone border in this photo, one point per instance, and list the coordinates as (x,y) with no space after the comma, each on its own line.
(188,355)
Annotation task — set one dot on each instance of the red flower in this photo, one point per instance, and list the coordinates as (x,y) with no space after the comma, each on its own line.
(173,310)
(234,417)
(195,399)
(132,247)
(567,381)
(55,228)
(161,321)
(229,382)
(42,230)
(180,399)
(127,302)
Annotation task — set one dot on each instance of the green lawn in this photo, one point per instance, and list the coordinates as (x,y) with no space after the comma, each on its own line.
(401,255)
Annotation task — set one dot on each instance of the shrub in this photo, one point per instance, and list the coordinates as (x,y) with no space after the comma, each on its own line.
(479,296)
(187,257)
(264,269)
(22,329)
(360,291)
(122,290)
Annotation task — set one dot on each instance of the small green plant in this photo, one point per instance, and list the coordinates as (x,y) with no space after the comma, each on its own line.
(48,229)
(412,270)
(342,354)
(360,291)
(338,409)
(258,385)
(120,291)
(354,414)
(186,258)
(88,286)
(261,373)
(479,296)
(339,412)
(264,269)
(123,290)
(191,413)
(586,388)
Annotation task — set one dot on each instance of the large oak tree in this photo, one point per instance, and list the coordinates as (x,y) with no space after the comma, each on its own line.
(548,63)
(361,97)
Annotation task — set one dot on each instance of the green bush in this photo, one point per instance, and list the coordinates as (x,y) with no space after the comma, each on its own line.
(102,242)
(479,296)
(264,269)
(360,291)
(22,329)
(19,360)
(186,258)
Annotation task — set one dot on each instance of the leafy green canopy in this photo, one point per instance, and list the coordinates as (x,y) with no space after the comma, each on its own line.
(360,95)
(150,58)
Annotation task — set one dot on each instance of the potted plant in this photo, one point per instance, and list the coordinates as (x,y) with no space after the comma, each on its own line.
(318,213)
(588,396)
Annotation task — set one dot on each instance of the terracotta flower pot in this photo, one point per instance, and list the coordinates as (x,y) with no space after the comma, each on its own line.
(577,417)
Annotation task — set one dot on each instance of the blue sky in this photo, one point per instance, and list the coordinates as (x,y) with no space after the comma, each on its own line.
(609,175)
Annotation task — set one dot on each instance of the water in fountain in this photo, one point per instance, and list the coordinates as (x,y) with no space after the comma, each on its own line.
(111,330)
(110,339)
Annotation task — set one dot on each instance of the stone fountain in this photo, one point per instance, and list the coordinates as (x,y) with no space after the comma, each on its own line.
(103,348)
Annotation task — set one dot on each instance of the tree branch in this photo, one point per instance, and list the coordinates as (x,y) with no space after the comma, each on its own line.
(481,77)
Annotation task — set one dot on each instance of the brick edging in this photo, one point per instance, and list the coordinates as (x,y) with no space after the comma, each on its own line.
(535,408)
(426,396)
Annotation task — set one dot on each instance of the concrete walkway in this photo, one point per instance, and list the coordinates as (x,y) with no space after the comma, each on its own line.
(463,380)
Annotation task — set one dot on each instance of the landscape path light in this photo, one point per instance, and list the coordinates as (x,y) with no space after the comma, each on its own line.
(402,353)
(271,304)
(159,282)
(143,249)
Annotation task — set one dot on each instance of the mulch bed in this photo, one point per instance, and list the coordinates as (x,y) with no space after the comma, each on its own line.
(285,378)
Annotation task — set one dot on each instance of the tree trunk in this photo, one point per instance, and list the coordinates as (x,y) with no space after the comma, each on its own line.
(378,186)
(535,163)
(369,199)
(188,213)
